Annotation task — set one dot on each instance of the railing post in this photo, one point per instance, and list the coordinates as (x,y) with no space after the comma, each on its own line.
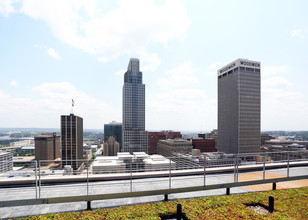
(178,211)
(271,204)
(87,177)
(264,166)
(227,191)
(36,179)
(169,173)
(236,168)
(131,177)
(288,165)
(39,179)
(89,206)
(204,172)
(274,186)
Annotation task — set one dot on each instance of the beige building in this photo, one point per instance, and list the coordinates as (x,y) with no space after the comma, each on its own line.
(171,147)
(111,147)
(47,147)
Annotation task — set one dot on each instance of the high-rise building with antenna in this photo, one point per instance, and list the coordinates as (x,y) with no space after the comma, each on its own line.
(72,140)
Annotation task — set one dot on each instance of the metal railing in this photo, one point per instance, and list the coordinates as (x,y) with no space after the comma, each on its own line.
(44,174)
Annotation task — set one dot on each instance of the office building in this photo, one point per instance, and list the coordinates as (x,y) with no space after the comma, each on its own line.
(204,144)
(134,136)
(111,147)
(171,147)
(47,147)
(154,137)
(72,140)
(6,161)
(239,107)
(113,129)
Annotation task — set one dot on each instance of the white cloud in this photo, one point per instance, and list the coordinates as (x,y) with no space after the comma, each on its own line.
(151,61)
(276,81)
(53,100)
(272,69)
(183,69)
(180,76)
(298,33)
(283,106)
(120,73)
(6,7)
(14,83)
(178,103)
(53,53)
(135,24)
(212,69)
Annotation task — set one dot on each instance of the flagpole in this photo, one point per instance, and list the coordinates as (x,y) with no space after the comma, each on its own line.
(73,103)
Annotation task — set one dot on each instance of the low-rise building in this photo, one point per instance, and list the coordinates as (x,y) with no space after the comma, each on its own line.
(126,162)
(157,163)
(154,137)
(294,151)
(108,164)
(171,147)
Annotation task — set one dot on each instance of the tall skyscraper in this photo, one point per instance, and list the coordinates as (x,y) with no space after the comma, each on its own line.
(113,129)
(135,138)
(239,107)
(72,140)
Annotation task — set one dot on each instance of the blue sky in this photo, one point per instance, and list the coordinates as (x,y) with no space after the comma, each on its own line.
(55,50)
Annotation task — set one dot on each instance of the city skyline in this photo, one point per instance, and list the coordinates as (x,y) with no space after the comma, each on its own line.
(53,52)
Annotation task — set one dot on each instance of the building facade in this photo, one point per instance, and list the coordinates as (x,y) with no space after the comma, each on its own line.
(204,144)
(72,140)
(111,147)
(47,146)
(134,136)
(239,107)
(113,129)
(154,137)
(6,161)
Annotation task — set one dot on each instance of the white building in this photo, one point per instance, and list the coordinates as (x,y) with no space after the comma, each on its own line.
(137,162)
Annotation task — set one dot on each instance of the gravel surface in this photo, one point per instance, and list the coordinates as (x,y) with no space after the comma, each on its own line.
(259,209)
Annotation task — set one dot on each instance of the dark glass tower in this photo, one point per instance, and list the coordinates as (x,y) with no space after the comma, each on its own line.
(72,140)
(239,107)
(113,129)
(135,138)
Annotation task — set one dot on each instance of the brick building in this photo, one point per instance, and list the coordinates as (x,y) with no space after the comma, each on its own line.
(204,145)
(154,137)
